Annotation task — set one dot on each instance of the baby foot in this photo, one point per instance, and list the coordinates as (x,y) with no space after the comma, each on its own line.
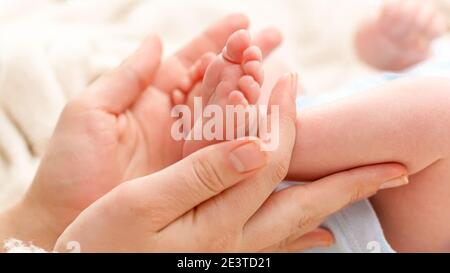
(411,25)
(231,78)
(400,35)
(406,21)
(192,86)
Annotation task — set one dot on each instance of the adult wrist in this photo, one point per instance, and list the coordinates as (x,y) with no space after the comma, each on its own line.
(28,223)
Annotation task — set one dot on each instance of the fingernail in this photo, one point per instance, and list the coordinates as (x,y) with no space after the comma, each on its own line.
(325,243)
(324,238)
(394,183)
(247,157)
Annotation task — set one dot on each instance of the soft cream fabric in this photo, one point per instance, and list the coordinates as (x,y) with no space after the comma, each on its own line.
(17,246)
(50,50)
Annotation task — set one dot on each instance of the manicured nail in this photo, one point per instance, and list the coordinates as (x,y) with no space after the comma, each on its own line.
(394,183)
(325,243)
(247,157)
(324,239)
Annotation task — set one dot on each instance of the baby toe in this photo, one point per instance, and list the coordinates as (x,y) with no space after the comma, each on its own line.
(178,97)
(390,10)
(424,18)
(236,98)
(250,88)
(438,27)
(222,92)
(236,45)
(252,53)
(254,69)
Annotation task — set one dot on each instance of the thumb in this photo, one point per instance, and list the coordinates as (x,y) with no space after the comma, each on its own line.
(179,188)
(118,89)
(248,196)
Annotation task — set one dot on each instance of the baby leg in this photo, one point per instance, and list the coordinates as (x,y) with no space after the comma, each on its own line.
(406,121)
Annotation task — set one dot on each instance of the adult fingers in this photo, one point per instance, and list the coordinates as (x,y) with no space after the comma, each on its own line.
(165,196)
(248,196)
(117,90)
(268,40)
(213,40)
(299,208)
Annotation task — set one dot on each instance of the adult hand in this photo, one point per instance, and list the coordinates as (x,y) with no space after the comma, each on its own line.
(220,199)
(117,130)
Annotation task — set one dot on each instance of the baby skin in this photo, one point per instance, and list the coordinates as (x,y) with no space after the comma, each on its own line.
(232,78)
(406,121)
(400,34)
(398,122)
